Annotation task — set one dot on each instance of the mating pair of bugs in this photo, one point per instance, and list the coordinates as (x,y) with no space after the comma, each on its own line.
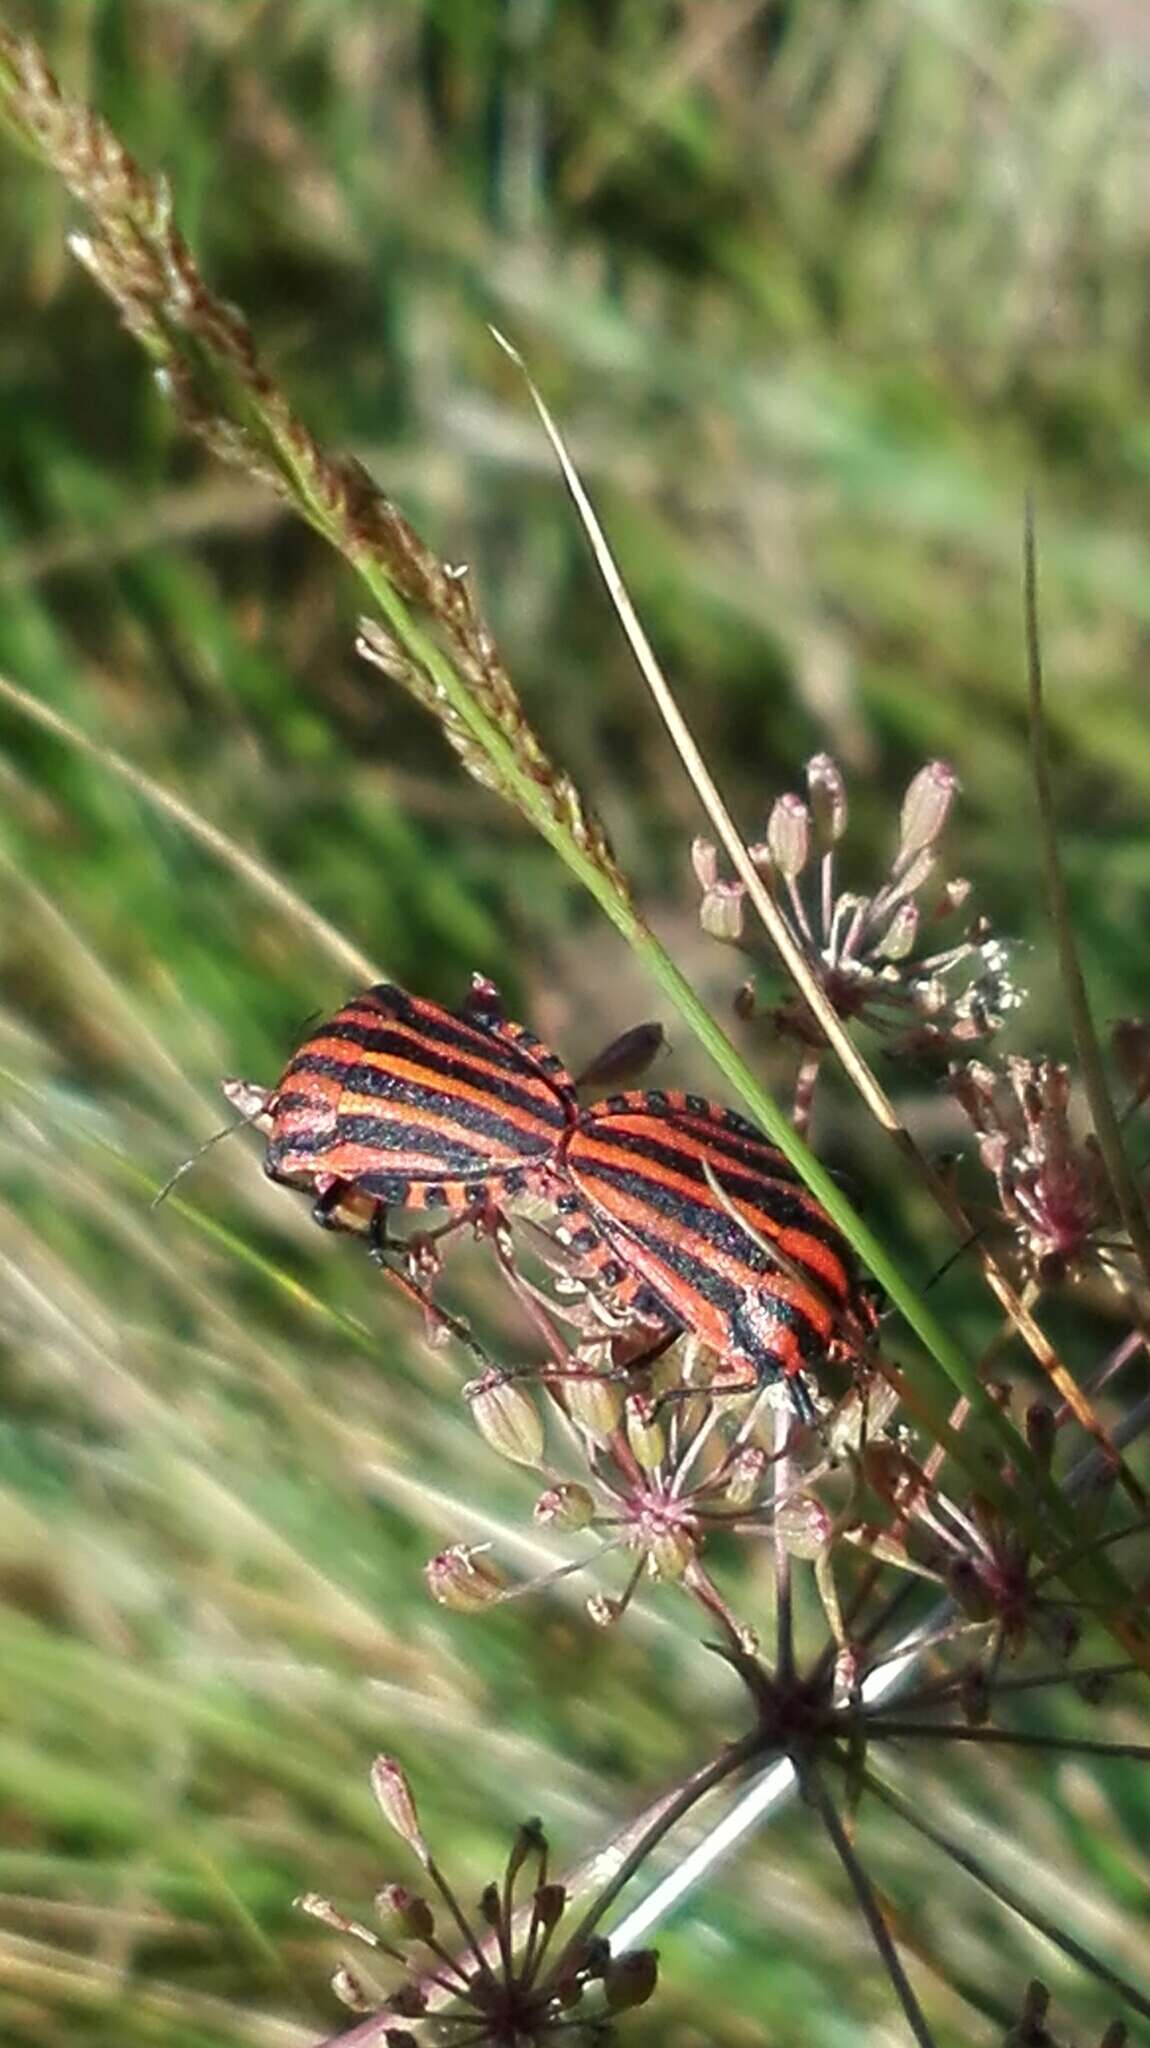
(678,1211)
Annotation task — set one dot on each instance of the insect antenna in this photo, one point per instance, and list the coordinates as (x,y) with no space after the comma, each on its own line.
(250,1116)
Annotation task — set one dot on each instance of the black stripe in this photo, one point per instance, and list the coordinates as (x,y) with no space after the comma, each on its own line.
(386,1134)
(299,1098)
(478,1119)
(746,1148)
(778,1208)
(724,1295)
(439,1029)
(544,1107)
(705,1222)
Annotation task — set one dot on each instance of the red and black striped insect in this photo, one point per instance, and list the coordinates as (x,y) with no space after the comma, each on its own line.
(409,1104)
(685,1213)
(405,1103)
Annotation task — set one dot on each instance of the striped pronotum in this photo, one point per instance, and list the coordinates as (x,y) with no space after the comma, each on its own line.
(404,1102)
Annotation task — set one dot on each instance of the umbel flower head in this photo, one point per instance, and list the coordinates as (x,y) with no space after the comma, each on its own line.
(876,955)
(496,1977)
(652,1478)
(1052,1187)
(994,1579)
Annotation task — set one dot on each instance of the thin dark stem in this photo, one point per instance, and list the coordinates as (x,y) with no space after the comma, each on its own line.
(815,1791)
(1007,1896)
(936,1691)
(451,1902)
(1011,1738)
(1090,1672)
(677,1806)
(1105,1541)
(886,1614)
(948,1631)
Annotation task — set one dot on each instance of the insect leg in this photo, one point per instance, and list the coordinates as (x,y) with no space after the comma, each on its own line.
(324,1208)
(385,1253)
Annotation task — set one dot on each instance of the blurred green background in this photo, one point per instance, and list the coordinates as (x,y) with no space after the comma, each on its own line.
(817,289)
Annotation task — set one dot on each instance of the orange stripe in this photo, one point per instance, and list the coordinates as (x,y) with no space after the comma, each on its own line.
(354,1055)
(800,1247)
(405,1116)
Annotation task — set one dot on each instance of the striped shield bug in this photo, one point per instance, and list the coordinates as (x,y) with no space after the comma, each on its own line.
(680,1212)
(405,1103)
(685,1213)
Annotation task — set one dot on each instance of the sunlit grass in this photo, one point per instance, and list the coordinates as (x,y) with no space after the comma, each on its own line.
(813,325)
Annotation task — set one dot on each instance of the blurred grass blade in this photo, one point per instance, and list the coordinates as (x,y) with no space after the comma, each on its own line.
(1127,1193)
(254,872)
(1007,1895)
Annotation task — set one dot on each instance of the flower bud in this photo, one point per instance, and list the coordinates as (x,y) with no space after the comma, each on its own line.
(352,1992)
(1041,1433)
(803,1526)
(745,1476)
(396,1802)
(890,1471)
(530,1840)
(549,1905)
(721,912)
(408,2001)
(974,1695)
(1130,1046)
(464,1578)
(595,1960)
(1062,1630)
(705,861)
(951,897)
(491,1905)
(507,1418)
(897,942)
(566,1506)
(917,871)
(828,795)
(404,1915)
(621,1063)
(925,809)
(967,1590)
(789,836)
(645,1434)
(1035,2006)
(631,1980)
(669,1554)
(321,1909)
(593,1402)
